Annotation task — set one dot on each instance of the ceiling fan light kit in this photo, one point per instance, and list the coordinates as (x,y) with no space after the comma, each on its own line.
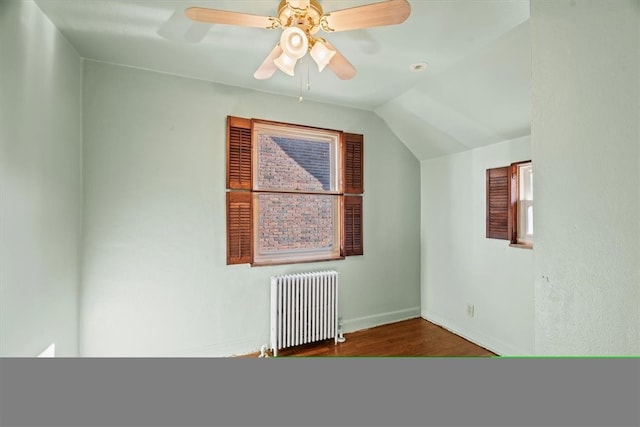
(300,20)
(294,42)
(286,64)
(321,54)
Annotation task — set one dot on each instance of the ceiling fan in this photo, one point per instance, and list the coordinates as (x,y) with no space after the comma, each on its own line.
(300,21)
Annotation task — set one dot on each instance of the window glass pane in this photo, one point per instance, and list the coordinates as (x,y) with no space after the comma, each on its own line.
(294,164)
(296,226)
(525,203)
(291,159)
(525,175)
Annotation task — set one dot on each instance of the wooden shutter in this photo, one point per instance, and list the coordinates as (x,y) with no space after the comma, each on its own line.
(239,204)
(353,163)
(353,180)
(238,153)
(239,227)
(352,209)
(498,200)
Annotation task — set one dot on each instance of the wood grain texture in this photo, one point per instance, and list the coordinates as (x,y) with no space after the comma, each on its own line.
(239,152)
(352,228)
(497,193)
(215,16)
(239,228)
(409,338)
(353,160)
(389,12)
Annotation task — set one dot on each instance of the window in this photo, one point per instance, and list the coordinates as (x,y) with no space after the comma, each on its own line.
(524,200)
(294,193)
(510,203)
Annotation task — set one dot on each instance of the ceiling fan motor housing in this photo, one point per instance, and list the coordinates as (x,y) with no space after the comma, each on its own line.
(308,19)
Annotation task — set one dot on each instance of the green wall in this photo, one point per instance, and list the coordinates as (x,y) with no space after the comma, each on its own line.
(461,267)
(155,280)
(40,184)
(586,151)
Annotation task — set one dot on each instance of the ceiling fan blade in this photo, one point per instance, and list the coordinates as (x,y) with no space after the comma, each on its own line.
(267,68)
(340,65)
(388,12)
(215,16)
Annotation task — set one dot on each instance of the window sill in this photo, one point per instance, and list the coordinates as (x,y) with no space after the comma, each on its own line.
(264,263)
(521,245)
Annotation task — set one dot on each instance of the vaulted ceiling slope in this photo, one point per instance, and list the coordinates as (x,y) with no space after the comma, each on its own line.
(475,90)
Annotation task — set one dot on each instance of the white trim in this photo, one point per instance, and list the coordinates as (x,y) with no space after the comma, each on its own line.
(490,343)
(229,348)
(49,351)
(359,323)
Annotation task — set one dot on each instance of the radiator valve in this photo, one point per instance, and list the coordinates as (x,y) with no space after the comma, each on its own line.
(263,351)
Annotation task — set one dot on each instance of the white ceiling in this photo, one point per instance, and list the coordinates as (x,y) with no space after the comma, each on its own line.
(475,91)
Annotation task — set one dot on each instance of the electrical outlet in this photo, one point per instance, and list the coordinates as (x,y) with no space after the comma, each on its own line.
(470,310)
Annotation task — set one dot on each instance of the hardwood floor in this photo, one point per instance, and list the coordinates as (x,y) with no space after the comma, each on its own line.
(409,338)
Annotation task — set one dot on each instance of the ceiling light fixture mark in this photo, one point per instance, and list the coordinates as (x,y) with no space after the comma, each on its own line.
(418,67)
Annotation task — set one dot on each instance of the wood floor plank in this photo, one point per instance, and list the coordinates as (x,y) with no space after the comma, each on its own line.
(409,338)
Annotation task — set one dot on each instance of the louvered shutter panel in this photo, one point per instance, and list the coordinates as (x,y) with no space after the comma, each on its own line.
(353,179)
(239,227)
(353,244)
(239,204)
(498,189)
(353,161)
(238,153)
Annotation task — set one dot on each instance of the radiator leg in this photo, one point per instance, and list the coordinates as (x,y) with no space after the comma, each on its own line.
(340,337)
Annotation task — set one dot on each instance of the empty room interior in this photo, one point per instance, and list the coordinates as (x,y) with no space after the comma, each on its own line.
(119,123)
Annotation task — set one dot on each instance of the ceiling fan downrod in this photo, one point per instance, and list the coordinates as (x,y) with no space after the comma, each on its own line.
(306,15)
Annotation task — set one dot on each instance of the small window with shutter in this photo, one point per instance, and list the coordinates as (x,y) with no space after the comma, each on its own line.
(509,203)
(294,193)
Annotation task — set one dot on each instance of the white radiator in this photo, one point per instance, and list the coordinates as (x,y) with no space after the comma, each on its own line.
(304,308)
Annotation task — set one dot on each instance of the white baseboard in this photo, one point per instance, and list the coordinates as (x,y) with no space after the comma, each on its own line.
(249,346)
(490,343)
(227,348)
(359,323)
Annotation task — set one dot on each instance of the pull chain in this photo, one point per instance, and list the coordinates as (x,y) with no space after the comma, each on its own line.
(305,62)
(300,99)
